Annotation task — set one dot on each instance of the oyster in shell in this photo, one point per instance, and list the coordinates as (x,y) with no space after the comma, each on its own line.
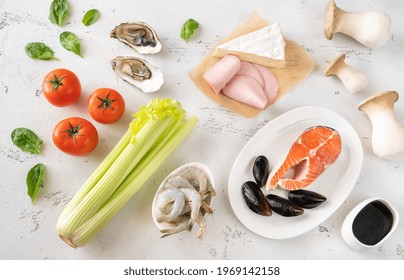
(138,72)
(139,36)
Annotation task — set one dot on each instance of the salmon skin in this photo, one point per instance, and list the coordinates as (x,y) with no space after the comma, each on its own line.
(316,149)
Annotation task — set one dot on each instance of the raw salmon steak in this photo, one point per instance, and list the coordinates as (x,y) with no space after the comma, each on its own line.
(316,149)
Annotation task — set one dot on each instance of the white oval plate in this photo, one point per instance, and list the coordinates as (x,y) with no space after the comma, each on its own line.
(274,141)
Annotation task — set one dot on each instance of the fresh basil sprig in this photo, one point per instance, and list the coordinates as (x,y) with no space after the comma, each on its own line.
(38,50)
(70,42)
(59,11)
(26,140)
(188,29)
(34,180)
(90,17)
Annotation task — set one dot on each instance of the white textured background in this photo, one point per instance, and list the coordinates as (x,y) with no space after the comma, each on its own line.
(28,231)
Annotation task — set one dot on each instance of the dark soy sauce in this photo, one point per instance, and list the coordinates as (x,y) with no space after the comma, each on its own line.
(372,223)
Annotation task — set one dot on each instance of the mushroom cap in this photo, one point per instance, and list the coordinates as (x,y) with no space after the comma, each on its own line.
(335,63)
(385,100)
(329,19)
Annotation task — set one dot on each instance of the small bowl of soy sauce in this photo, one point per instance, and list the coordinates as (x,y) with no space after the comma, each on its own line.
(369,224)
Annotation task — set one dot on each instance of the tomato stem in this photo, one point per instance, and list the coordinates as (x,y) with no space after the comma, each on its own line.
(56,82)
(73,131)
(106,102)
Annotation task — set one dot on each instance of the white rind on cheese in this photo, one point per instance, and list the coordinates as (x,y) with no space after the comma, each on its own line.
(267,41)
(265,46)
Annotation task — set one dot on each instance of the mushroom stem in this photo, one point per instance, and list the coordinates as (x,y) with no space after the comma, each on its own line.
(372,29)
(352,79)
(387,131)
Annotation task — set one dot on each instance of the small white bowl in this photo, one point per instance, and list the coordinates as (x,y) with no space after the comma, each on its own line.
(155,209)
(347,226)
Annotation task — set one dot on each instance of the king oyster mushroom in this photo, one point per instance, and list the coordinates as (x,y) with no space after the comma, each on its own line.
(139,36)
(138,72)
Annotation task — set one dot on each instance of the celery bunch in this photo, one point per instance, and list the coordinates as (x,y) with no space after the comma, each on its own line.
(157,129)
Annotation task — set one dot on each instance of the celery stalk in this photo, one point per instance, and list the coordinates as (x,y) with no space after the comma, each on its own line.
(117,172)
(96,175)
(132,184)
(156,131)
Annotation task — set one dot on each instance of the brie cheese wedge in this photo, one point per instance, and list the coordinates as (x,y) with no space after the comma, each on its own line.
(264,46)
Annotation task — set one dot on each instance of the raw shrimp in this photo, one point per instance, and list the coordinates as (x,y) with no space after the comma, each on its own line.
(196,177)
(174,196)
(197,191)
(178,182)
(181,224)
(193,199)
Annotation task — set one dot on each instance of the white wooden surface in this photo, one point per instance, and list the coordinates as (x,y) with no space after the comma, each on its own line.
(28,231)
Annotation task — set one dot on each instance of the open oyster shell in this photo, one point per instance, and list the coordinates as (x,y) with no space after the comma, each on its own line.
(138,72)
(139,36)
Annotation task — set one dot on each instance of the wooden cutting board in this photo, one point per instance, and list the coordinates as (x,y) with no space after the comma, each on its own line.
(298,66)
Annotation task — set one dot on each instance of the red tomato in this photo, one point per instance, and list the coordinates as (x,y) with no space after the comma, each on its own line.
(61,87)
(75,136)
(106,105)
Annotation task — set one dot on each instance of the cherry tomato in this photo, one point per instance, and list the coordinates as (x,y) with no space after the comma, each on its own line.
(106,105)
(75,136)
(61,87)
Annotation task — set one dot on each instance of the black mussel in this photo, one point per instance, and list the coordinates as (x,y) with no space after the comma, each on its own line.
(255,199)
(306,199)
(283,207)
(261,170)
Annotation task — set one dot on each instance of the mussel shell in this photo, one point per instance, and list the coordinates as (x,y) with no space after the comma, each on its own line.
(255,199)
(306,199)
(283,207)
(261,170)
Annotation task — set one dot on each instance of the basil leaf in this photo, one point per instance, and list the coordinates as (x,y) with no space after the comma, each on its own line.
(26,140)
(34,180)
(39,50)
(90,17)
(188,29)
(70,42)
(59,11)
